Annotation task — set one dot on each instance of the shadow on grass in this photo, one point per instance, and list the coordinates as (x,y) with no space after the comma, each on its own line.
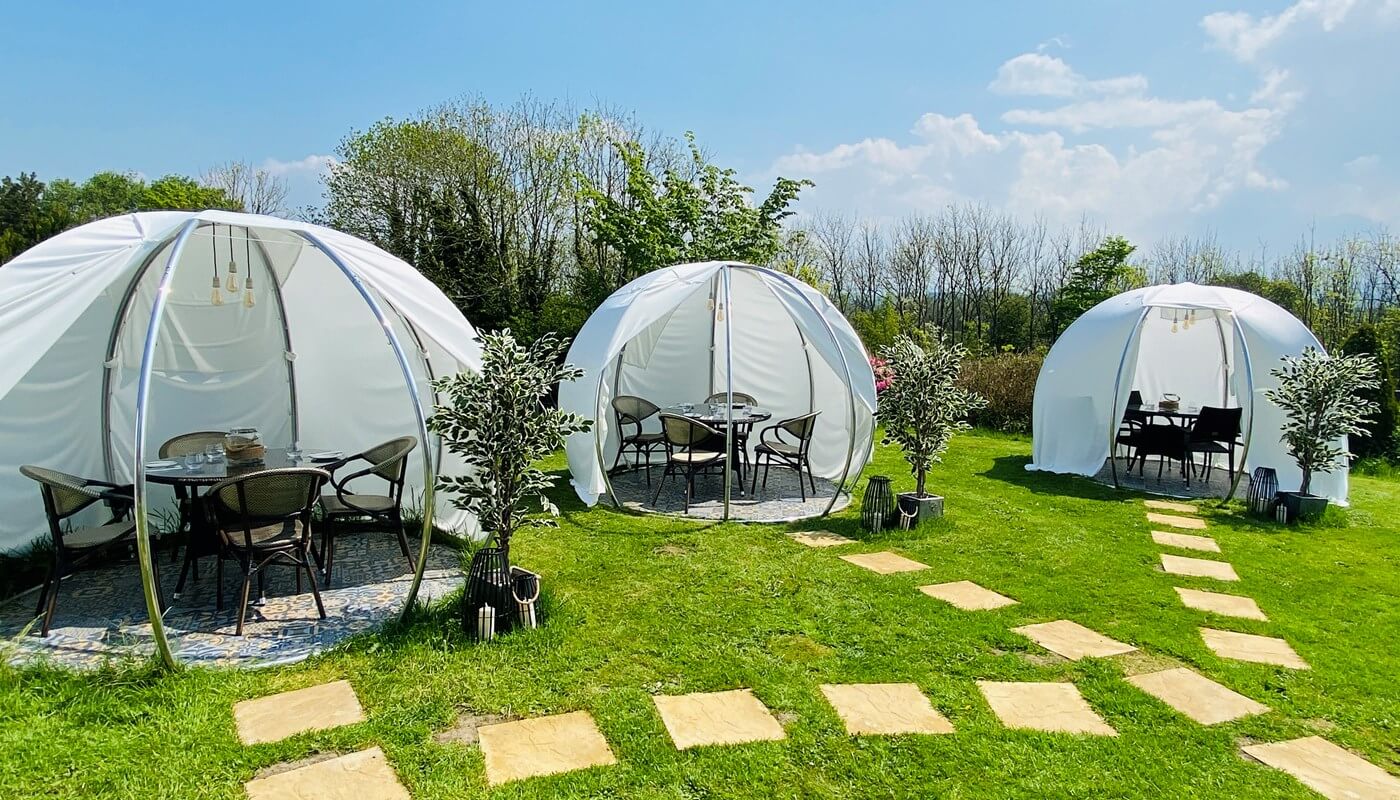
(1012,470)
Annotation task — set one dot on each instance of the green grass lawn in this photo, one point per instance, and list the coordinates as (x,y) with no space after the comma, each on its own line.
(647,605)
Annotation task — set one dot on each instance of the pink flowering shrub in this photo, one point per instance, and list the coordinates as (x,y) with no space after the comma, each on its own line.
(884,376)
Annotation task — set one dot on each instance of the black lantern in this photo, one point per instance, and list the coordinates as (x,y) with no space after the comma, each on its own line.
(877,507)
(1263,487)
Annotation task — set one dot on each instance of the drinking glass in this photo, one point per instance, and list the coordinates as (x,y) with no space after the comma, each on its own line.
(294,452)
(193,462)
(214,453)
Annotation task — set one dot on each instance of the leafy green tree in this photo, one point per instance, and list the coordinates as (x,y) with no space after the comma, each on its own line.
(924,405)
(179,193)
(1281,292)
(1379,440)
(498,422)
(1322,398)
(1098,275)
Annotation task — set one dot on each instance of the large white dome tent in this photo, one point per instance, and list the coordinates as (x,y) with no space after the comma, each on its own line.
(113,344)
(685,332)
(1211,345)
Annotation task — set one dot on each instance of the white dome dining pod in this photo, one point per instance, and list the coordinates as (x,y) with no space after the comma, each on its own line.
(724,330)
(117,339)
(1209,346)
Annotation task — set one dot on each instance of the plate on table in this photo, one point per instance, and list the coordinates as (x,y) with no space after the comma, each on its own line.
(162,464)
(326,455)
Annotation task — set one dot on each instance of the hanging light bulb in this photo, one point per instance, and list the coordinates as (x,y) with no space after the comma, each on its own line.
(1173,322)
(216,297)
(232,285)
(719,315)
(710,304)
(248,259)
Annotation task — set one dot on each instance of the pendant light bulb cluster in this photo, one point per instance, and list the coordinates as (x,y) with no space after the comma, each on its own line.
(233,285)
(1183,320)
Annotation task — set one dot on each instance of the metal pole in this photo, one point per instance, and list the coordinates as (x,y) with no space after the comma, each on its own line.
(429,472)
(1117,382)
(728,391)
(143,395)
(1249,427)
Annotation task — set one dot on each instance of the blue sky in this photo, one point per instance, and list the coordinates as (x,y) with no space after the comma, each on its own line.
(1253,120)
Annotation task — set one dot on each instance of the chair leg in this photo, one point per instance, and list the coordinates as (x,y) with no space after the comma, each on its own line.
(660,484)
(397,519)
(801,486)
(44,592)
(753,468)
(52,605)
(247,565)
(328,549)
(811,481)
(306,565)
(219,583)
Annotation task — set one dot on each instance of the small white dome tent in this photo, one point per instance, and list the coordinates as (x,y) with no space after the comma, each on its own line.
(1141,339)
(113,344)
(667,335)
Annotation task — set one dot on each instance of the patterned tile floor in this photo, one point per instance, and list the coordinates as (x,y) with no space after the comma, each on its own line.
(1171,482)
(102,617)
(779,502)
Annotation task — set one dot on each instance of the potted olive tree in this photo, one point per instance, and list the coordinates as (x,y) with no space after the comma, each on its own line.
(1322,400)
(921,407)
(497,421)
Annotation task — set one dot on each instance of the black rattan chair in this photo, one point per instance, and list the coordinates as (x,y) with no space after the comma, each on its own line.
(197,543)
(788,454)
(262,517)
(1167,442)
(1215,431)
(633,411)
(1131,424)
(683,438)
(388,461)
(65,495)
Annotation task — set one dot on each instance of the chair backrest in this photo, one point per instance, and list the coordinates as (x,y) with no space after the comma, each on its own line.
(1161,440)
(632,410)
(390,459)
(266,497)
(1134,398)
(739,397)
(1217,424)
(64,494)
(801,427)
(684,431)
(187,443)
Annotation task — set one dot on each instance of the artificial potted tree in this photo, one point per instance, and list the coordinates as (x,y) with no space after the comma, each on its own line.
(1323,398)
(921,408)
(498,423)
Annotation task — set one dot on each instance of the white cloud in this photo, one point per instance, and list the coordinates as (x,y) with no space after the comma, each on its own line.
(312,163)
(1362,165)
(1037,74)
(1245,36)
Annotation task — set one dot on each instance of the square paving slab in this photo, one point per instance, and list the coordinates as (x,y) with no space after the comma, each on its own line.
(820,538)
(1327,769)
(884,709)
(365,775)
(275,717)
(1198,567)
(1054,707)
(1197,696)
(543,746)
(1167,505)
(1072,640)
(1251,647)
(967,595)
(1230,605)
(1174,521)
(732,717)
(885,562)
(1186,541)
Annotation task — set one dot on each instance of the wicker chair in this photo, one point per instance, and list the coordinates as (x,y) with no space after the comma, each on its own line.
(633,411)
(262,517)
(65,495)
(1215,431)
(741,429)
(387,461)
(787,454)
(191,523)
(739,397)
(683,436)
(1134,418)
(1167,442)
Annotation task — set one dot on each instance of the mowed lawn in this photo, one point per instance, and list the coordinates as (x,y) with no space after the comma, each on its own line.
(644,605)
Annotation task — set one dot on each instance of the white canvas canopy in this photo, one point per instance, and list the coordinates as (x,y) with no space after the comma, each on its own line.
(680,334)
(1141,340)
(307,362)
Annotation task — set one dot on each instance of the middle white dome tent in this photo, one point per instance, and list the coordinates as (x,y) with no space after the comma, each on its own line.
(683,333)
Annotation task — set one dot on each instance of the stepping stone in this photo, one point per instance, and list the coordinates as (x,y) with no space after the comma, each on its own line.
(1230,605)
(1054,707)
(820,538)
(967,595)
(1253,648)
(1167,505)
(542,746)
(1197,696)
(1327,769)
(277,716)
(1177,522)
(365,775)
(884,709)
(1072,640)
(1198,567)
(885,563)
(733,717)
(1186,541)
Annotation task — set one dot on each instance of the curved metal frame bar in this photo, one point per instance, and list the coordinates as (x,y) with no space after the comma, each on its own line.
(1249,427)
(728,392)
(143,393)
(429,470)
(1117,382)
